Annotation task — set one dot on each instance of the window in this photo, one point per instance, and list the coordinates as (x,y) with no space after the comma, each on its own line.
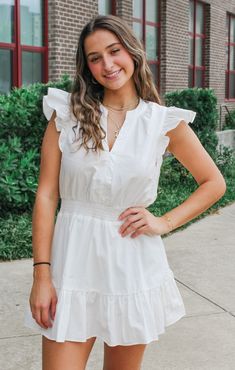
(230,53)
(146,25)
(196,74)
(23,51)
(106,7)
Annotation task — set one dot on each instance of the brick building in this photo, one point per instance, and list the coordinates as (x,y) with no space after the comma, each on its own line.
(189,43)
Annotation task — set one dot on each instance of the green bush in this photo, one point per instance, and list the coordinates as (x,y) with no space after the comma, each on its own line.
(15,236)
(19,172)
(22,126)
(203,102)
(21,112)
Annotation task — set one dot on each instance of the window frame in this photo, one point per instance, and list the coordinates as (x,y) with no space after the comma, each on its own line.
(17,48)
(113,7)
(229,71)
(157,25)
(195,36)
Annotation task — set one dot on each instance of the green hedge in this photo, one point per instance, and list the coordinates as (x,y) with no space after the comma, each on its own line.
(21,112)
(202,101)
(22,125)
(18,181)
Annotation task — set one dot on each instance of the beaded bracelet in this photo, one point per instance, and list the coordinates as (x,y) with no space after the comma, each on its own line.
(39,263)
(169,221)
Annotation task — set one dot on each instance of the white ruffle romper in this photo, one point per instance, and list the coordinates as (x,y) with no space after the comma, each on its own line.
(119,289)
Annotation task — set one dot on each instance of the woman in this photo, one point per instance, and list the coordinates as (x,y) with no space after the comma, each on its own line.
(102,270)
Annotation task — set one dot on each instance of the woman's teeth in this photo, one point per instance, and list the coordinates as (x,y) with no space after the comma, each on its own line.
(113,75)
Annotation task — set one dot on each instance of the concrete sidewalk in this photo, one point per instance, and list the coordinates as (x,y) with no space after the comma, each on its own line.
(202,258)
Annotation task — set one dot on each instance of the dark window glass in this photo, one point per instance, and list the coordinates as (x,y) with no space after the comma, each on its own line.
(151,42)
(31,22)
(232,85)
(154,70)
(232,30)
(230,55)
(196,44)
(104,7)
(146,28)
(31,67)
(152,11)
(138,29)
(199,51)
(199,77)
(7,21)
(190,77)
(199,18)
(5,70)
(137,8)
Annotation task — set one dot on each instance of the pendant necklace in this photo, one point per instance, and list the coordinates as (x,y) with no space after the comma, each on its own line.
(118,128)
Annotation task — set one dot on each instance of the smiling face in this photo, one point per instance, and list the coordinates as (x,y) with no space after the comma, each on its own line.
(109,62)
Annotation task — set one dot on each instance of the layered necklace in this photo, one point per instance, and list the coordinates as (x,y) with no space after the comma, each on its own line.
(120,110)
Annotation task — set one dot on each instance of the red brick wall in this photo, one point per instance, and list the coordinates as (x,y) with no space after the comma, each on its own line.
(175,49)
(66,19)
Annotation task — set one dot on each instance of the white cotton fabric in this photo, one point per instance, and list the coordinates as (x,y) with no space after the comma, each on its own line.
(121,290)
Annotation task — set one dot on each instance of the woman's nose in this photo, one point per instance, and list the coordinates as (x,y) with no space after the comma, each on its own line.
(108,63)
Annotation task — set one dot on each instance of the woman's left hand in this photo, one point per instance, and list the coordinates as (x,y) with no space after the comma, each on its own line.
(140,221)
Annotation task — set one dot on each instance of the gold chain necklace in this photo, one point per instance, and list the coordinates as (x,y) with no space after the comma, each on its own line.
(123,108)
(118,128)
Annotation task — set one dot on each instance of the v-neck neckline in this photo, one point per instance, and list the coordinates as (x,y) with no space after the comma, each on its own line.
(129,114)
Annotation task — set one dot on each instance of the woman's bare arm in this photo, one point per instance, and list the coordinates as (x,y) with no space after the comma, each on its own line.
(187,148)
(46,200)
(43,297)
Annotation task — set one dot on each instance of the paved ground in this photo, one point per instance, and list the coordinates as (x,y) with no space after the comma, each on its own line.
(202,258)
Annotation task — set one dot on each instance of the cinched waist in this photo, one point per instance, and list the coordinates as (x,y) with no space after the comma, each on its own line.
(90,209)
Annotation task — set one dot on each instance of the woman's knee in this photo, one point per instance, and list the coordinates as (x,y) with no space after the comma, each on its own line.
(123,357)
(67,355)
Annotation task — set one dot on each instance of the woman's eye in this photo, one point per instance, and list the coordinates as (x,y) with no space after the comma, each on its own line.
(94,59)
(115,50)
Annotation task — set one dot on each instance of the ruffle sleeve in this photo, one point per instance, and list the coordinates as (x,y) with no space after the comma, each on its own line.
(173,117)
(58,100)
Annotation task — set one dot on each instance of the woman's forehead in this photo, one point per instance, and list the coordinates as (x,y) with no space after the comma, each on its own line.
(100,39)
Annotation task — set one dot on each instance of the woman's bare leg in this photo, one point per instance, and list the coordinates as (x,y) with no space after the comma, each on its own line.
(123,357)
(65,356)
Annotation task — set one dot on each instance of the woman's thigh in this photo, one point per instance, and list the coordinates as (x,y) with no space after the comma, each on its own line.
(123,357)
(67,355)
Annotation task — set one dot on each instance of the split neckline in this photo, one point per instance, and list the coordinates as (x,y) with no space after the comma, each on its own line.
(130,114)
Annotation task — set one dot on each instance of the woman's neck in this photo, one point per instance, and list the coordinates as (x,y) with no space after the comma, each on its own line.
(120,99)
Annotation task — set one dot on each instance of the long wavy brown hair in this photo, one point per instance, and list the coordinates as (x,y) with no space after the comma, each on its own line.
(87,93)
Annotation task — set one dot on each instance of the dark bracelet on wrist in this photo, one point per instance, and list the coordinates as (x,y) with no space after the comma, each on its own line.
(40,263)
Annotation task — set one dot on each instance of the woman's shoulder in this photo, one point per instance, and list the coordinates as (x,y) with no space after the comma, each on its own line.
(57,100)
(170,116)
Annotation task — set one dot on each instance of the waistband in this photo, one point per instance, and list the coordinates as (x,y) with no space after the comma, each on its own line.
(91,209)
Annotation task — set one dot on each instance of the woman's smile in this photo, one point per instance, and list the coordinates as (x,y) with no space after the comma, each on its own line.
(114,75)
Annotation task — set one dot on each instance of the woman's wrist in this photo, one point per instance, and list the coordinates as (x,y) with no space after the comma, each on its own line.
(41,271)
(168,222)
